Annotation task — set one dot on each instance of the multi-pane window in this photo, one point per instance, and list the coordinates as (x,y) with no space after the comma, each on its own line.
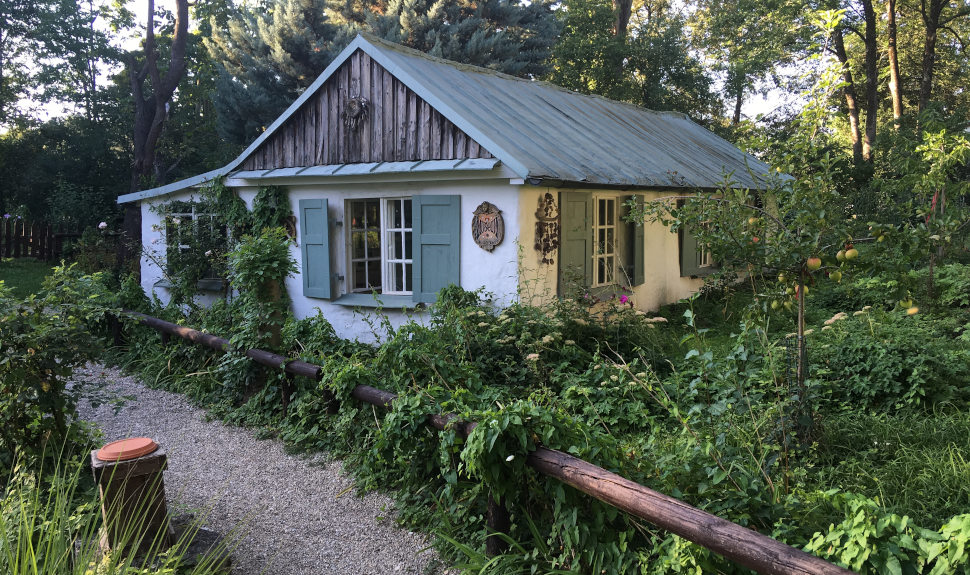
(604,241)
(399,257)
(380,245)
(365,245)
(193,235)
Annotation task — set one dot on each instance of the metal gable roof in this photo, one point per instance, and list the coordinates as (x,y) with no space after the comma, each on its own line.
(543,133)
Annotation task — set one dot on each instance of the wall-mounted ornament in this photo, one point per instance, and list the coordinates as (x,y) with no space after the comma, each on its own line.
(355,112)
(547,228)
(289,224)
(488,227)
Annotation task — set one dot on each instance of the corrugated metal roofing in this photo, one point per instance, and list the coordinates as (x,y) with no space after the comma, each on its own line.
(543,133)
(556,134)
(471,164)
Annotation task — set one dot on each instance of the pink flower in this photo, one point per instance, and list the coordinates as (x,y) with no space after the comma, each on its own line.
(624,299)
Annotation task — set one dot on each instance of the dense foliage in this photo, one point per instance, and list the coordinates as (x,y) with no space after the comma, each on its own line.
(674,402)
(45,337)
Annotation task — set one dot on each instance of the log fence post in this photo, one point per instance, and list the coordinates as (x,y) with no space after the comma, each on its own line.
(744,546)
(498,521)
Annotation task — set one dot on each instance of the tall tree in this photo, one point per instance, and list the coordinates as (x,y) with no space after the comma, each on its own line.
(584,58)
(267,58)
(659,71)
(860,22)
(264,60)
(934,20)
(849,93)
(748,40)
(23,26)
(893,55)
(152,91)
(75,55)
(508,36)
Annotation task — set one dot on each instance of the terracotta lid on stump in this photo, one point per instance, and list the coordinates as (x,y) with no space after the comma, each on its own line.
(125,449)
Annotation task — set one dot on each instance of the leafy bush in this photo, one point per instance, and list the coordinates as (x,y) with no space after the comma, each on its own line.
(881,359)
(706,415)
(44,339)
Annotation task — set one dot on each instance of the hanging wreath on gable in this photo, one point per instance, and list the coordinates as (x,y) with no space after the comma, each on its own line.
(355,112)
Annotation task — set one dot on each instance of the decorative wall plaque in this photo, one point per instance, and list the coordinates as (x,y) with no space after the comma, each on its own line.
(289,224)
(547,228)
(355,112)
(488,227)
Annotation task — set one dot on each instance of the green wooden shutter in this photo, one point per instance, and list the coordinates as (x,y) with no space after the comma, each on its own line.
(576,245)
(437,244)
(315,246)
(638,276)
(689,254)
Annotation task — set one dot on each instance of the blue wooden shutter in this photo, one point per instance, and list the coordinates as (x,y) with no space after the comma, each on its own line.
(437,243)
(576,245)
(315,245)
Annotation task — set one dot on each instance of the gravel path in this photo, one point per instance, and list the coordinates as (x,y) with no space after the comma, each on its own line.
(299,515)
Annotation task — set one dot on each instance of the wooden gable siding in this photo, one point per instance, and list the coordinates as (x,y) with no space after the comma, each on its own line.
(399,125)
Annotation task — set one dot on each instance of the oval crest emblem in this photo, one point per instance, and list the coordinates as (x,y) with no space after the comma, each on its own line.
(488,228)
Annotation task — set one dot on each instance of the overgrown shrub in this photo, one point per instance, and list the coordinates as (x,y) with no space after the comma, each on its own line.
(890,359)
(44,339)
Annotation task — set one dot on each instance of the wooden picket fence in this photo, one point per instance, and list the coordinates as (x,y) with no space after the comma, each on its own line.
(22,239)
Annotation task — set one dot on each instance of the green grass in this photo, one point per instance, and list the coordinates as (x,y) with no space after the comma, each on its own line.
(916,463)
(24,276)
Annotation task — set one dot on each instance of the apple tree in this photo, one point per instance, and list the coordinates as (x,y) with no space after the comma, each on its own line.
(797,229)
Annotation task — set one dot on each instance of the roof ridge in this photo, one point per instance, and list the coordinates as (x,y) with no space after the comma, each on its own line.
(464,67)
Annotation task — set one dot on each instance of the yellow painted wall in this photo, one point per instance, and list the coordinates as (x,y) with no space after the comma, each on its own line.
(537,281)
(662,281)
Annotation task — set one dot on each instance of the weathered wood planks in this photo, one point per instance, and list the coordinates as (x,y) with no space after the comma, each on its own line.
(399,125)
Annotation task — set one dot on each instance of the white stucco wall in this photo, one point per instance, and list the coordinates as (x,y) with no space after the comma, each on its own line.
(496,272)
(512,272)
(153,249)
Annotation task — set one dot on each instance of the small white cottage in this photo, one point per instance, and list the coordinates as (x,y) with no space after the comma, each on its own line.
(408,173)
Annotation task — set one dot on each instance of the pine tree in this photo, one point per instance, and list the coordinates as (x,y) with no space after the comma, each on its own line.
(266,60)
(511,37)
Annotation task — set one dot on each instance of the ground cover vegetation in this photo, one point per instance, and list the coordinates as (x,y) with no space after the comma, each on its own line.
(821,399)
(795,395)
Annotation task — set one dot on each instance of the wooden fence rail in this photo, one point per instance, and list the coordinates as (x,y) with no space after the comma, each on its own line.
(744,546)
(22,239)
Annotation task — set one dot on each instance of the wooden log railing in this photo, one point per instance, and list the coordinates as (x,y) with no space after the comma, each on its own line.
(744,546)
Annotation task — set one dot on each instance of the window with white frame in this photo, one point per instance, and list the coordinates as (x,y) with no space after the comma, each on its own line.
(194,233)
(380,246)
(604,241)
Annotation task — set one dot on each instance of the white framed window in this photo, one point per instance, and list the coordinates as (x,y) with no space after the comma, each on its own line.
(379,246)
(193,231)
(604,241)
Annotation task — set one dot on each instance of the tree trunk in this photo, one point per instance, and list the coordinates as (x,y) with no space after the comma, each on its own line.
(622,9)
(151,109)
(851,99)
(894,92)
(150,112)
(930,12)
(872,80)
(738,100)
